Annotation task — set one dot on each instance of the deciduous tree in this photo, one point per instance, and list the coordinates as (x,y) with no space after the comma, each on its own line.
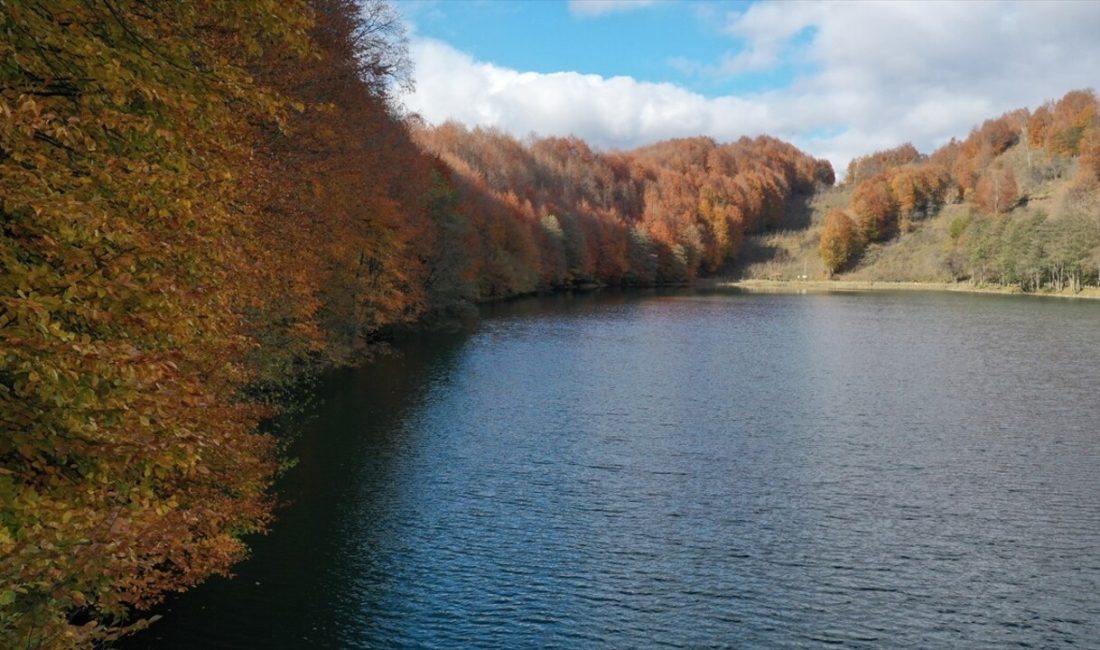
(875,208)
(996,191)
(840,241)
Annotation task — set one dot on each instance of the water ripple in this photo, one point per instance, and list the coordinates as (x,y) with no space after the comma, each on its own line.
(740,471)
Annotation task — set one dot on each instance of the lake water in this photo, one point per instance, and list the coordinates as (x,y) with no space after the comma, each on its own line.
(692,469)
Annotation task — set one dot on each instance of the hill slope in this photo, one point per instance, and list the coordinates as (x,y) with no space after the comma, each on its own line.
(1017,204)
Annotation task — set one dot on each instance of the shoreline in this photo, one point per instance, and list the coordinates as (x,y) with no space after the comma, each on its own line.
(825,286)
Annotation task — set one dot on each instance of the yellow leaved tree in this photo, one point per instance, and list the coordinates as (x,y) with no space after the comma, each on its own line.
(129,467)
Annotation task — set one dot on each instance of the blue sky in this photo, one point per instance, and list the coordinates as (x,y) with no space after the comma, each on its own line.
(662,41)
(838,79)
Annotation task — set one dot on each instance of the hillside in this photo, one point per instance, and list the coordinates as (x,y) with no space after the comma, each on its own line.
(1044,235)
(553,213)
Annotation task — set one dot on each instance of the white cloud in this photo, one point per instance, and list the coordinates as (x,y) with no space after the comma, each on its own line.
(769,29)
(604,7)
(882,74)
(611,112)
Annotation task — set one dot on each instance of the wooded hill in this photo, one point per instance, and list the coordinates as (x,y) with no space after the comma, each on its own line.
(202,201)
(552,213)
(1015,204)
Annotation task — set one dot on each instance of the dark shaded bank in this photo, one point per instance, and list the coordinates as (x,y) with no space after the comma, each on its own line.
(342,443)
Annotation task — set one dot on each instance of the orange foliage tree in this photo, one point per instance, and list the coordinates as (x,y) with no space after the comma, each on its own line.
(1089,164)
(684,204)
(1072,115)
(129,465)
(860,169)
(344,190)
(876,209)
(197,197)
(996,191)
(840,241)
(905,186)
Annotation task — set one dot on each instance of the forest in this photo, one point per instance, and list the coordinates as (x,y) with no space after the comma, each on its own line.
(1028,184)
(203,202)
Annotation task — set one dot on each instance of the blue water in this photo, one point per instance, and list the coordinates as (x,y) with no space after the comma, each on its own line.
(692,469)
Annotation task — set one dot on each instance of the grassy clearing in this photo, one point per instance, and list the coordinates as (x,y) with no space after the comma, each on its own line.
(827,286)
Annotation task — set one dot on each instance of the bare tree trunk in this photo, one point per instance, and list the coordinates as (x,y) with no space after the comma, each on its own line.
(1027,148)
(996,193)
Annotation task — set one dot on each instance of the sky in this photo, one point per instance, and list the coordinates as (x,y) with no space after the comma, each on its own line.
(838,79)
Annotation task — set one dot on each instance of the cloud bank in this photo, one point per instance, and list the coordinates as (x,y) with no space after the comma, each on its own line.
(879,74)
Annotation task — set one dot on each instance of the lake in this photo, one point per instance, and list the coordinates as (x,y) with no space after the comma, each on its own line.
(691,469)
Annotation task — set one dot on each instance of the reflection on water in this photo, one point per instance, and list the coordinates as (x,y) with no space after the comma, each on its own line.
(692,469)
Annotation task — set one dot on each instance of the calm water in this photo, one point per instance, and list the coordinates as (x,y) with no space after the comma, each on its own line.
(693,470)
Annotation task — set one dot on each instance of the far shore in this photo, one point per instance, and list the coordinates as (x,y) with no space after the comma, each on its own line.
(798,286)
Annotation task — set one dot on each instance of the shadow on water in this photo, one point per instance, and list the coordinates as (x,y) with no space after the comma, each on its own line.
(343,450)
(346,440)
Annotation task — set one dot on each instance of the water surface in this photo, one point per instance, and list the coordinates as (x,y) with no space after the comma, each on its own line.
(691,470)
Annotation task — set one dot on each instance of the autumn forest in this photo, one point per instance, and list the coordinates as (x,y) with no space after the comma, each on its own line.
(204,202)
